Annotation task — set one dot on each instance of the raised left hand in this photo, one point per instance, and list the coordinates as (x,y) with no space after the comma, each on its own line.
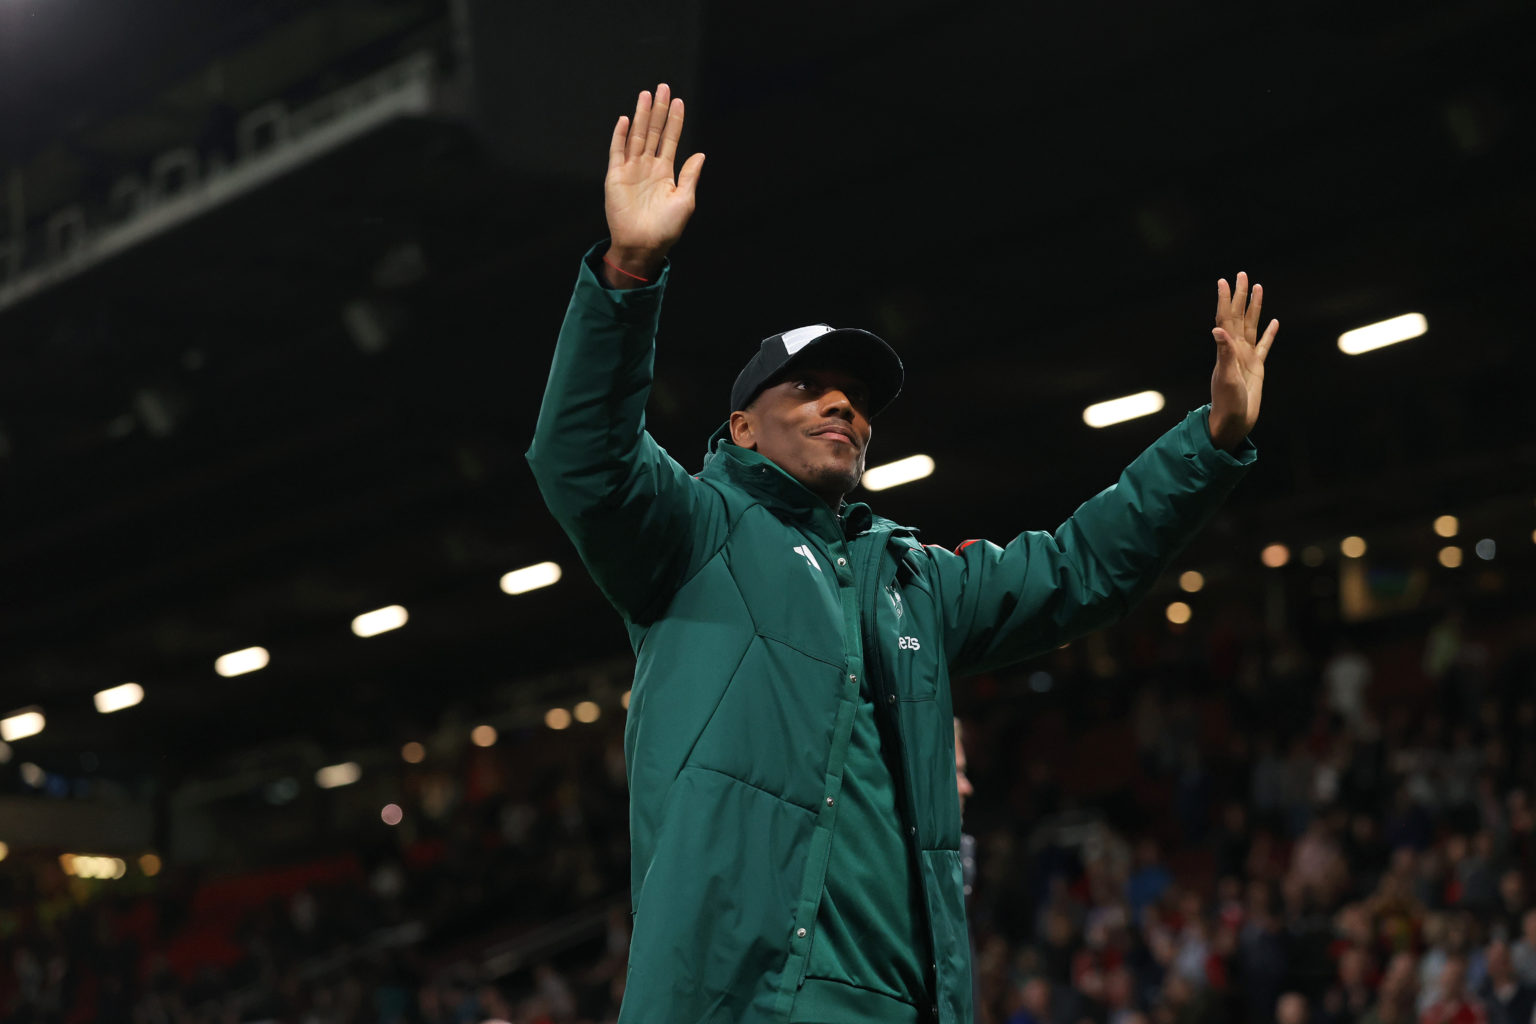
(1237,383)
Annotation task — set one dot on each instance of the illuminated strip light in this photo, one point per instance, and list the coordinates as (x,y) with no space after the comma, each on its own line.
(1118,410)
(532,577)
(237,663)
(117,698)
(334,775)
(1382,334)
(381,620)
(86,866)
(894,474)
(21,725)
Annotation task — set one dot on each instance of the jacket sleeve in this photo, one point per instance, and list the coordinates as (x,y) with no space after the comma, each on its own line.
(1003,604)
(640,523)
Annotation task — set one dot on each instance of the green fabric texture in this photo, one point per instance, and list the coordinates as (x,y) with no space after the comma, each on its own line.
(869,927)
(756,615)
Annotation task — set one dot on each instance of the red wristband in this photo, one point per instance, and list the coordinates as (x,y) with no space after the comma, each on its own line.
(615,266)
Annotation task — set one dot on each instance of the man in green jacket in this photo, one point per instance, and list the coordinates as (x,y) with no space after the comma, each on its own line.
(794,819)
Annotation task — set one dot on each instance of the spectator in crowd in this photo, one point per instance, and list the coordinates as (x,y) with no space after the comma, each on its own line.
(1451,1001)
(1523,953)
(1352,992)
(1034,1003)
(1514,903)
(1291,1008)
(1506,999)
(1397,996)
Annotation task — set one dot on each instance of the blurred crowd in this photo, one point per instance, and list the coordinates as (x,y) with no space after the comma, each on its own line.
(445,919)
(1246,827)
(1302,840)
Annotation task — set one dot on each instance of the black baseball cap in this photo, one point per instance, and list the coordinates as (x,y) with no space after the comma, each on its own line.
(847,348)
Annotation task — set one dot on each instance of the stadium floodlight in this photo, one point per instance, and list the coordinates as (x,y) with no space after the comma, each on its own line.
(22,724)
(1275,555)
(1118,410)
(380,620)
(237,663)
(334,775)
(531,577)
(894,474)
(1382,333)
(117,698)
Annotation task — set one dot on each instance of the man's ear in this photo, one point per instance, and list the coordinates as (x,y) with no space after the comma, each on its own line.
(741,430)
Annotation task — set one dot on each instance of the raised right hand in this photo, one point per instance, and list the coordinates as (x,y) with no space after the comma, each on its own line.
(647,209)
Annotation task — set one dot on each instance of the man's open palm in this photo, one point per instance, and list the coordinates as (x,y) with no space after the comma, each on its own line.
(1237,383)
(647,208)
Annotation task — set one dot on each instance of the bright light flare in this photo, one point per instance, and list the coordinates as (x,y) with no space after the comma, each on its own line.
(557,718)
(1447,526)
(1275,555)
(380,620)
(150,864)
(483,736)
(1450,556)
(587,712)
(238,663)
(1486,549)
(117,698)
(334,775)
(624,700)
(391,815)
(531,577)
(1352,547)
(1191,581)
(21,725)
(1118,410)
(413,753)
(1178,613)
(1382,333)
(894,474)
(86,866)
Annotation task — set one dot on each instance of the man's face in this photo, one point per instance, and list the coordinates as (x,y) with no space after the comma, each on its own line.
(814,425)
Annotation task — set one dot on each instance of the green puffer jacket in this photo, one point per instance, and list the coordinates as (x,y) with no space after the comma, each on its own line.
(754,613)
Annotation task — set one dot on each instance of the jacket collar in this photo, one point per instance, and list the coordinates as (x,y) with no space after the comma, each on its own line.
(781,493)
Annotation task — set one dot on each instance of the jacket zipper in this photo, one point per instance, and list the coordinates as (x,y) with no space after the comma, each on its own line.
(875,670)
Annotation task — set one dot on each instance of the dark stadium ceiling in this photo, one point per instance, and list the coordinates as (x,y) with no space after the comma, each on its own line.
(311,400)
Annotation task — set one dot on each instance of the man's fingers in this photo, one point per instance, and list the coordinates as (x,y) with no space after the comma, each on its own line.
(639,125)
(688,177)
(658,120)
(1223,299)
(1262,348)
(1240,294)
(616,144)
(672,132)
(1251,318)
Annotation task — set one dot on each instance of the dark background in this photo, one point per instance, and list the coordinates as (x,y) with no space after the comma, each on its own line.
(1031,203)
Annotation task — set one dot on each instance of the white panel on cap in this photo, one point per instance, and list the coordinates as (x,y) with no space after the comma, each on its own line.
(800,337)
